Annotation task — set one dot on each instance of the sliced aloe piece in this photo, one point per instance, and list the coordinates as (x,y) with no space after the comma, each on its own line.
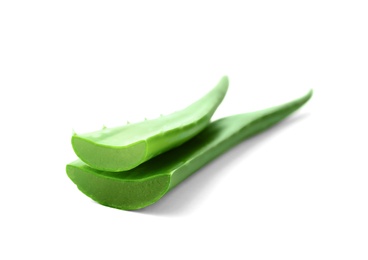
(148,182)
(125,147)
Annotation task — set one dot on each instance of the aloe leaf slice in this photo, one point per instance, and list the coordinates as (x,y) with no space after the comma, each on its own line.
(125,147)
(147,183)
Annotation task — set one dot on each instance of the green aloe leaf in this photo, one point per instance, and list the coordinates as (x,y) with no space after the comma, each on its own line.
(125,147)
(147,183)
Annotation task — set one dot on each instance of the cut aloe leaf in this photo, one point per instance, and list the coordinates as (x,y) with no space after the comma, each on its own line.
(123,148)
(144,185)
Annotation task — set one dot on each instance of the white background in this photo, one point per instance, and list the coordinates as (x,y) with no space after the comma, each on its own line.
(297,191)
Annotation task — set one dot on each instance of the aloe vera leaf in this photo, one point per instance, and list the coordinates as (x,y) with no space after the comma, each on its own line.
(146,184)
(125,147)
